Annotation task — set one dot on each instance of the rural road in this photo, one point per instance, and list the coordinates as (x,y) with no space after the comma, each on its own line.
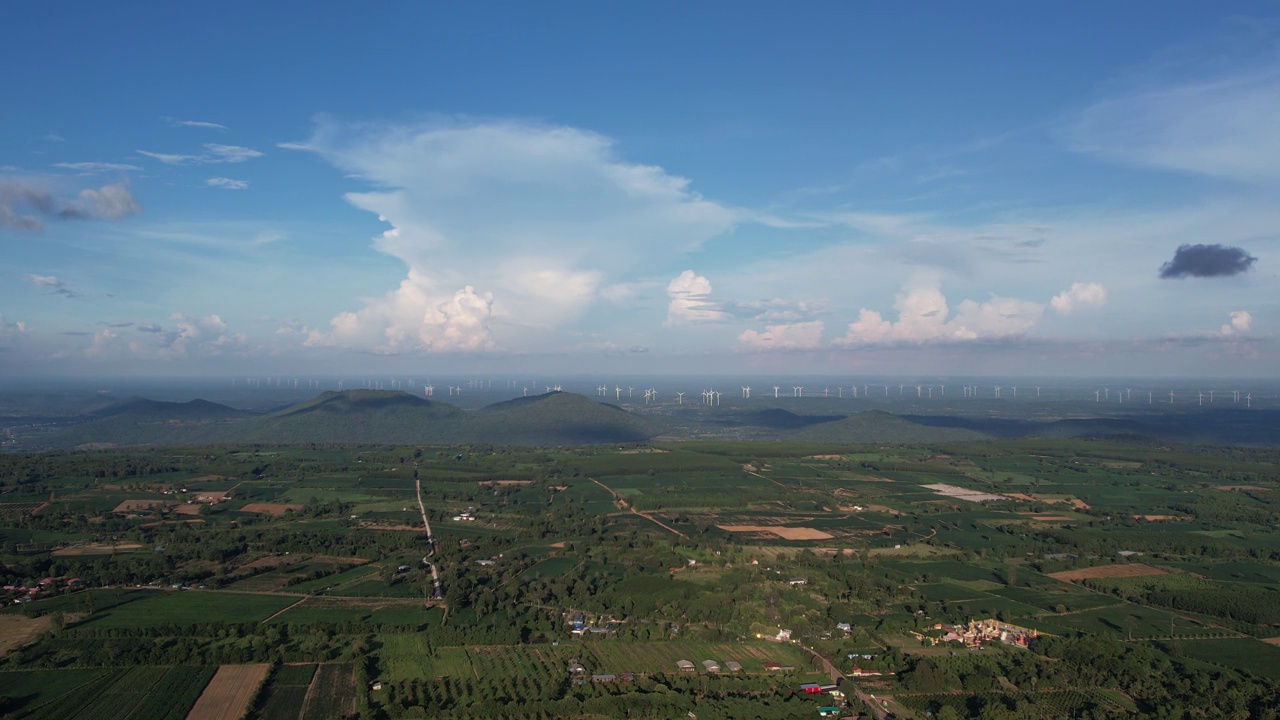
(436,590)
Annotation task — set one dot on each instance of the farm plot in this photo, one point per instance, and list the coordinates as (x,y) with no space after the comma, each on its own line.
(786,533)
(1247,654)
(1109,571)
(286,692)
(389,612)
(53,694)
(227,695)
(1126,620)
(661,657)
(332,693)
(149,608)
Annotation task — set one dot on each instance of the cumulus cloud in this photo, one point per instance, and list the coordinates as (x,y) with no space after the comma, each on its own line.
(412,317)
(924,316)
(689,301)
(227,183)
(25,204)
(109,201)
(52,284)
(1207,261)
(213,153)
(91,168)
(1241,322)
(784,336)
(10,328)
(186,336)
(1077,296)
(521,224)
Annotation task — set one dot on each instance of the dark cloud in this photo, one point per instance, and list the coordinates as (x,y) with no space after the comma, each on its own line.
(1207,261)
(23,204)
(150,328)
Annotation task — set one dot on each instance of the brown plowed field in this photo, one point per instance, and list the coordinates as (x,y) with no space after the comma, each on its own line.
(1109,571)
(785,533)
(227,695)
(135,505)
(276,509)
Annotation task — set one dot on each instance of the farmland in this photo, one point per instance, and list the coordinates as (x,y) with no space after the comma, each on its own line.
(306,574)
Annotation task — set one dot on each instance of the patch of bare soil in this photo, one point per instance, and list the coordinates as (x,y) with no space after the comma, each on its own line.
(1109,571)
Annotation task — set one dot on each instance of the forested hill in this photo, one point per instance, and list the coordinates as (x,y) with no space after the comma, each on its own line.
(877,426)
(357,416)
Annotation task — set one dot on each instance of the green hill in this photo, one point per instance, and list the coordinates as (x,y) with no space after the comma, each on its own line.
(139,421)
(558,418)
(877,426)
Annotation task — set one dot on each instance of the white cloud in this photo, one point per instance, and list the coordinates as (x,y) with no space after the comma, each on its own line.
(168,158)
(925,317)
(213,153)
(10,328)
(689,302)
(540,222)
(24,203)
(413,317)
(198,124)
(51,283)
(109,201)
(1211,108)
(229,153)
(785,336)
(1079,295)
(89,168)
(197,337)
(1241,322)
(227,183)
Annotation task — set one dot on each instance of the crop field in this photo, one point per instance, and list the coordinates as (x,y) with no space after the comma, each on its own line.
(1128,620)
(140,693)
(228,694)
(285,694)
(332,693)
(880,551)
(149,608)
(661,657)
(1244,654)
(1110,571)
(373,612)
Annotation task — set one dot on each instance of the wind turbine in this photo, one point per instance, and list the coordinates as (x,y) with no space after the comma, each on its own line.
(617,389)
(1015,392)
(1248,400)
(679,398)
(1096,393)
(1202,398)
(775,392)
(1210,397)
(997,391)
(746,392)
(1170,397)
(1037,391)
(826,392)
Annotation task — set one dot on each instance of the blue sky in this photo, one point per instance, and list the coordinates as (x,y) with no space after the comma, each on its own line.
(657,187)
